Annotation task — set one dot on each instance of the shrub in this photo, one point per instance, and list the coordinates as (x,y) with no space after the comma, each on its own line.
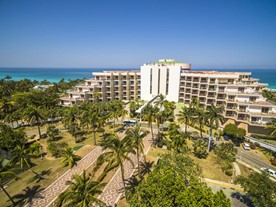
(229,172)
(260,136)
(257,144)
(252,145)
(168,144)
(56,149)
(273,161)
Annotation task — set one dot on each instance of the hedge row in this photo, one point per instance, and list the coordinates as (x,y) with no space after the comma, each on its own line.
(263,136)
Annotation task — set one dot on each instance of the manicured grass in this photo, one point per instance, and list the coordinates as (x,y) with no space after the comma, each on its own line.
(50,167)
(267,154)
(245,171)
(122,202)
(26,183)
(210,169)
(155,153)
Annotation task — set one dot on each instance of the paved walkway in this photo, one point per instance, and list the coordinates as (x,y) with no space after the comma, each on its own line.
(114,189)
(237,169)
(223,184)
(48,196)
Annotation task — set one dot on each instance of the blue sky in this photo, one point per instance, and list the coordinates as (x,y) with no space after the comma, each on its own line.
(128,33)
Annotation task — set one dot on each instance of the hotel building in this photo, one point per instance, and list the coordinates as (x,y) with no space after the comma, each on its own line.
(238,93)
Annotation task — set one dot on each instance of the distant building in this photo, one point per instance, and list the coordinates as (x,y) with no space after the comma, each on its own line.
(237,92)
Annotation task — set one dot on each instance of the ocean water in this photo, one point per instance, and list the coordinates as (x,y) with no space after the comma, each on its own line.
(55,74)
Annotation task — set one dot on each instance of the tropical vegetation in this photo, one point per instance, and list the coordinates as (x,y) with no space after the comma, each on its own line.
(175,181)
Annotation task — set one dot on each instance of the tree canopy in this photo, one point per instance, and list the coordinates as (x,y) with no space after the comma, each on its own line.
(260,188)
(175,181)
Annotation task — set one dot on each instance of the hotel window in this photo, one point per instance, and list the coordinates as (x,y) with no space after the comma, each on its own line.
(151,81)
(167,81)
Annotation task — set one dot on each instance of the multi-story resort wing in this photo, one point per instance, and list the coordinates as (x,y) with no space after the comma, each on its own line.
(238,93)
(109,85)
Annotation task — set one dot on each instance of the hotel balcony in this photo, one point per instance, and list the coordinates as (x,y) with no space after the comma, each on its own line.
(221,97)
(202,100)
(212,89)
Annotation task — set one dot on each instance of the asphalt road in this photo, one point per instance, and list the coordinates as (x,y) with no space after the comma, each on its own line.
(253,158)
(237,198)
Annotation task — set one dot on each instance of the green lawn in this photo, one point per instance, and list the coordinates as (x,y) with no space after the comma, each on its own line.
(245,171)
(27,184)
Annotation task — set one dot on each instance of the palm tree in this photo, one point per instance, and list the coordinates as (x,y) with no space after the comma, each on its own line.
(272,126)
(149,115)
(22,155)
(34,116)
(6,105)
(137,135)
(83,192)
(200,146)
(5,173)
(214,118)
(185,116)
(52,132)
(178,138)
(117,151)
(70,120)
(199,117)
(160,104)
(96,95)
(69,158)
(113,111)
(116,110)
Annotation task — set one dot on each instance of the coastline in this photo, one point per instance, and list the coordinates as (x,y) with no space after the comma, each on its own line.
(56,74)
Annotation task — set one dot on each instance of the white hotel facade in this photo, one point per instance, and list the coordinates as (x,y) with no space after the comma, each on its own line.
(238,93)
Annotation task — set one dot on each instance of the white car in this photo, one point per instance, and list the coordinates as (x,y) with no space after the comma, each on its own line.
(246,146)
(272,173)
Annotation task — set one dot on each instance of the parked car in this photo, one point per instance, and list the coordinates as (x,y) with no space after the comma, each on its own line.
(246,146)
(271,173)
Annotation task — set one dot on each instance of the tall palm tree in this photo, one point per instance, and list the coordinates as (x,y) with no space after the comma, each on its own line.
(113,111)
(34,116)
(160,104)
(83,192)
(149,115)
(185,116)
(214,118)
(71,118)
(69,158)
(96,96)
(272,126)
(199,117)
(22,155)
(178,138)
(5,173)
(91,118)
(117,151)
(137,135)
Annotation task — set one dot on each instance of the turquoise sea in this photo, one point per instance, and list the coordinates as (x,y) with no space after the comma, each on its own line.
(55,74)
